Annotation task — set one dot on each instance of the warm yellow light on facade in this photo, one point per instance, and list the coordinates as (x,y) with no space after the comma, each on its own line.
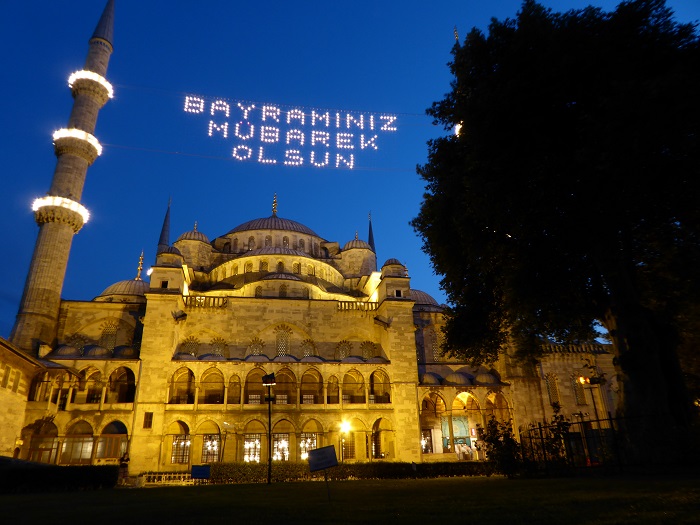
(61,202)
(345,427)
(91,75)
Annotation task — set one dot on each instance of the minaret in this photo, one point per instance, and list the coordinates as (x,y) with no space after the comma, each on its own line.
(60,214)
(370,234)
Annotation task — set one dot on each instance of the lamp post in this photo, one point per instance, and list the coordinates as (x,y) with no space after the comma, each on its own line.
(269,381)
(344,429)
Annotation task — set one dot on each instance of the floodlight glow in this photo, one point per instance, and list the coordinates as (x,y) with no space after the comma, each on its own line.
(91,75)
(61,202)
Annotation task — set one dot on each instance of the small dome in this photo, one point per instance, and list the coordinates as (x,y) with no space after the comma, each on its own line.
(486,379)
(129,287)
(392,262)
(126,352)
(423,298)
(169,249)
(430,379)
(193,236)
(97,351)
(458,378)
(357,243)
(67,351)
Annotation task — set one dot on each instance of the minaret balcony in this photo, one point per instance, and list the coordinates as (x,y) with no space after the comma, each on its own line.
(60,209)
(76,142)
(91,84)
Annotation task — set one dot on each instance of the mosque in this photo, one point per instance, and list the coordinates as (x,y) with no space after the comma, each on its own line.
(269,340)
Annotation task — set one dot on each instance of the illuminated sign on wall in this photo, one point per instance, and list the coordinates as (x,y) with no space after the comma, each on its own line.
(273,134)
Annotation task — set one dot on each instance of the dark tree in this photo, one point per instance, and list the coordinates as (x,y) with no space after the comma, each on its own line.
(570,198)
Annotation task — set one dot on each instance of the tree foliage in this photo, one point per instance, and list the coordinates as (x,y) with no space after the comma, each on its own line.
(571,195)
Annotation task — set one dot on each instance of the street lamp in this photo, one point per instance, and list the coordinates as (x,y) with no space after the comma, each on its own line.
(344,429)
(269,381)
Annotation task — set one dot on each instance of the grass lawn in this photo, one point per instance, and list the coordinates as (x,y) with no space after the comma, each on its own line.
(495,500)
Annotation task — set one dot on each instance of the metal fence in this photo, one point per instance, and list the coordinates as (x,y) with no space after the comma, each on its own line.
(571,444)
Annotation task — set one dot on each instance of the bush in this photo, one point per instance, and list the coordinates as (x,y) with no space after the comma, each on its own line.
(33,477)
(257,472)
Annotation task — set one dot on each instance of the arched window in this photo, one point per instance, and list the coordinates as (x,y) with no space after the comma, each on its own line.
(212,388)
(251,243)
(311,388)
(342,350)
(497,406)
(43,446)
(333,391)
(579,392)
(283,290)
(367,348)
(296,268)
(550,381)
(108,338)
(285,388)
(235,245)
(254,389)
(310,270)
(264,266)
(268,241)
(353,388)
(189,345)
(182,387)
(211,441)
(301,245)
(285,242)
(280,267)
(218,346)
(112,441)
(256,346)
(283,340)
(180,453)
(77,447)
(379,387)
(308,348)
(258,291)
(248,267)
(122,386)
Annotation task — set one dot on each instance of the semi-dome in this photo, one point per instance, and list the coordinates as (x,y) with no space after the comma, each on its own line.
(421,297)
(273,222)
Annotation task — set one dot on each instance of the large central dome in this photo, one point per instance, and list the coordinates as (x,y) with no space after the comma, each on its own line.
(273,222)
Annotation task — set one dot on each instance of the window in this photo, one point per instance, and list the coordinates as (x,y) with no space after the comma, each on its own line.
(280,267)
(248,268)
(108,339)
(6,376)
(285,242)
(281,399)
(301,245)
(211,443)
(235,245)
(579,392)
(308,399)
(367,349)
(348,446)
(308,442)
(280,443)
(251,448)
(283,290)
(342,350)
(181,449)
(112,442)
(148,420)
(552,388)
(426,441)
(164,284)
(190,346)
(258,291)
(308,348)
(254,399)
(264,266)
(251,243)
(296,268)
(268,241)
(398,293)
(284,335)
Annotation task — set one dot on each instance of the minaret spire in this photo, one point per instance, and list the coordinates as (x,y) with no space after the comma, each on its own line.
(274,206)
(59,214)
(138,270)
(370,235)
(164,240)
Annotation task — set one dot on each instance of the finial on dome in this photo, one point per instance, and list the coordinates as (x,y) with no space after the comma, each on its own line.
(274,206)
(195,225)
(138,272)
(356,237)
